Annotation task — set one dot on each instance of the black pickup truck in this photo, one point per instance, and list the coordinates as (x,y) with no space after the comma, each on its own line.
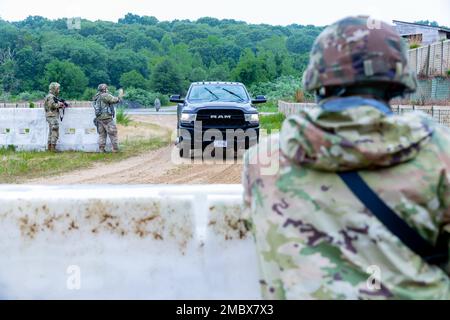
(217,115)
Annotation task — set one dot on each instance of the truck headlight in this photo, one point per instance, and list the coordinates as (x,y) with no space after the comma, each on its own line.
(253,118)
(188,117)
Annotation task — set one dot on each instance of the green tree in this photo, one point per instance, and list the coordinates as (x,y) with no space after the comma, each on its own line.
(166,43)
(300,43)
(198,74)
(72,79)
(219,72)
(133,79)
(29,67)
(250,69)
(8,79)
(125,60)
(166,78)
(105,51)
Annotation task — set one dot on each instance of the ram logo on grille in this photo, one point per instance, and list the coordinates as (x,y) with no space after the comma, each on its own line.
(220,116)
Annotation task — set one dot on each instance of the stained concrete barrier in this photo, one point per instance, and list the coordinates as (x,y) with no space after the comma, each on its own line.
(27,129)
(133,242)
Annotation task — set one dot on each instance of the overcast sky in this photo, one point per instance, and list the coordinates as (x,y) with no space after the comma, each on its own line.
(276,12)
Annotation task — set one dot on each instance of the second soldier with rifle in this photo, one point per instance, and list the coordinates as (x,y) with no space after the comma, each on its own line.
(53,104)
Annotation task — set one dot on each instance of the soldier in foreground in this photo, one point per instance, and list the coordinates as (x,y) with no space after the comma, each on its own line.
(52,106)
(104,112)
(359,207)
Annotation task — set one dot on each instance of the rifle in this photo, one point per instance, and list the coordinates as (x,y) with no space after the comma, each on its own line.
(96,124)
(66,105)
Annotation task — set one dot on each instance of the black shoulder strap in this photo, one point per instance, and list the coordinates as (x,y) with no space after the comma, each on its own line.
(395,224)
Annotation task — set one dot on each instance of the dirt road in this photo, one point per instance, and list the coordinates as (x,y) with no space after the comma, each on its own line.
(162,166)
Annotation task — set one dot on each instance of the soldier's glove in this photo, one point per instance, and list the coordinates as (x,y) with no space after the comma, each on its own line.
(121,94)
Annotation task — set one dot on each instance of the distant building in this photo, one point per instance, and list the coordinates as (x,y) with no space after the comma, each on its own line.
(421,34)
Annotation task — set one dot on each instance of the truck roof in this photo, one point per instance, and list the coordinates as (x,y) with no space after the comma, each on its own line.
(217,82)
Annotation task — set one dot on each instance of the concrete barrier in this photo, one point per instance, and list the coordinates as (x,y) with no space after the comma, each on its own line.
(27,129)
(117,242)
(289,108)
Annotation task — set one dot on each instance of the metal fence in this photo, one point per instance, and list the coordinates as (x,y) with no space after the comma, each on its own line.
(440,113)
(40,104)
(431,60)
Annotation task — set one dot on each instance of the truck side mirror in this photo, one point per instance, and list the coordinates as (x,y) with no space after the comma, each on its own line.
(259,99)
(176,99)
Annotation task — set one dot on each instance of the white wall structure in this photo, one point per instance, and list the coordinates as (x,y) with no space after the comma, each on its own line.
(27,129)
(125,242)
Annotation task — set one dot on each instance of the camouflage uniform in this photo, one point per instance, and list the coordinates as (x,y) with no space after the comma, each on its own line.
(157,104)
(51,114)
(106,123)
(315,239)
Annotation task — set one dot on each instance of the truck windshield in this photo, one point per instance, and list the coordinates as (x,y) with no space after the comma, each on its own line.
(221,93)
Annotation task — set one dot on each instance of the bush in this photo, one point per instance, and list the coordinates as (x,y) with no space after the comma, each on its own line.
(5,96)
(88,94)
(284,88)
(415,42)
(448,73)
(32,106)
(272,122)
(145,98)
(121,117)
(133,79)
(71,77)
(31,96)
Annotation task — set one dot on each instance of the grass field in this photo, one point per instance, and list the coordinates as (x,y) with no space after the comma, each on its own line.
(16,167)
(272,122)
(270,106)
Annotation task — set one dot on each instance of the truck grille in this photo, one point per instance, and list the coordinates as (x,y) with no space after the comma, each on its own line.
(221,118)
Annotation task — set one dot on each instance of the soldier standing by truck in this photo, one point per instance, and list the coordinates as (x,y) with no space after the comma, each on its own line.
(104,117)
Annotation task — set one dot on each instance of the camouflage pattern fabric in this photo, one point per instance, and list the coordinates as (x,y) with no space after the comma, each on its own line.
(105,102)
(157,104)
(53,130)
(107,128)
(51,107)
(358,50)
(315,239)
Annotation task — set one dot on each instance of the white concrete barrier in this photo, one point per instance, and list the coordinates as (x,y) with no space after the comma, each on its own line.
(125,242)
(27,129)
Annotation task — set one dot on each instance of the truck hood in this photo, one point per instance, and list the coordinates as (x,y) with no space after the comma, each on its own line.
(195,107)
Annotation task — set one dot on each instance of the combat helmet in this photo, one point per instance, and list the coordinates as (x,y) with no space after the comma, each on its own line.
(358,51)
(53,87)
(102,87)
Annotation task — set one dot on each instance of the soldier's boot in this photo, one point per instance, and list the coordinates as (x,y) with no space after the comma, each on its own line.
(101,149)
(49,147)
(115,149)
(54,148)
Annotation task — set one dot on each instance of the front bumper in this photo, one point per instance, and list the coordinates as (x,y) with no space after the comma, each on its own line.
(240,138)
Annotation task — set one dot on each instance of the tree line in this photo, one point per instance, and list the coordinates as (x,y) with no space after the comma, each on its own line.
(143,53)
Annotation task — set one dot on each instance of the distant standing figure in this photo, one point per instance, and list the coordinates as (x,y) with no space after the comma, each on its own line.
(157,104)
(104,111)
(52,107)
